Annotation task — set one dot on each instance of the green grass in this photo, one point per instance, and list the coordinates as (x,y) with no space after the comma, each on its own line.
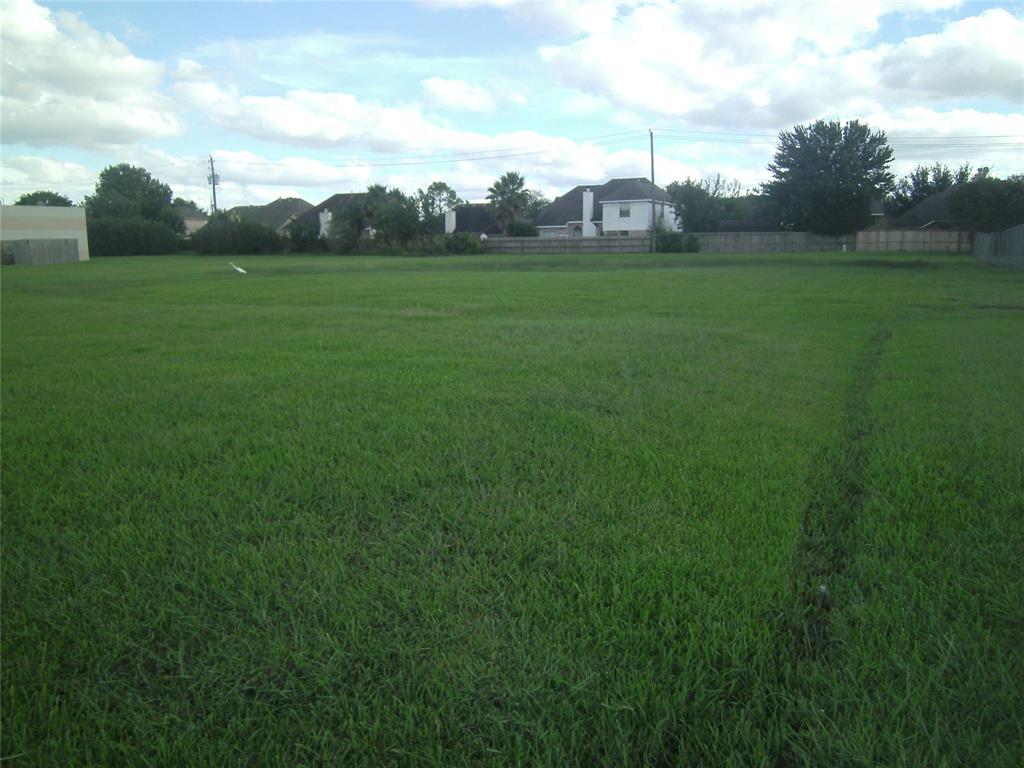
(514,511)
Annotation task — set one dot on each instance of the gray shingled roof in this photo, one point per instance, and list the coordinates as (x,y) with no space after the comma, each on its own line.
(477,218)
(569,207)
(334,203)
(273,214)
(934,208)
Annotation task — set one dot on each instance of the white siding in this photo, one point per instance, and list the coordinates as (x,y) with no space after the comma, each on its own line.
(639,218)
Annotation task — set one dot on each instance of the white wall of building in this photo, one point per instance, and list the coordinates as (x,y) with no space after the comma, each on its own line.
(449,221)
(638,217)
(45,222)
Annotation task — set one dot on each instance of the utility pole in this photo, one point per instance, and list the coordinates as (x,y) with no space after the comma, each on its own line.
(654,231)
(214,179)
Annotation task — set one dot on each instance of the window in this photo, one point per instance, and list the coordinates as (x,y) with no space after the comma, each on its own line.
(623,210)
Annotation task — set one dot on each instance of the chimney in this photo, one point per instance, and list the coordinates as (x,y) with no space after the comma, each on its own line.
(325,222)
(589,230)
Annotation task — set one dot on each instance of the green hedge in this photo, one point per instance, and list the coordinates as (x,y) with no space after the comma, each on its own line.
(522,229)
(221,235)
(676,242)
(130,237)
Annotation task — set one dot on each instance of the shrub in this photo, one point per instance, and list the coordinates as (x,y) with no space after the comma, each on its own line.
(521,229)
(110,236)
(676,242)
(222,235)
(463,242)
(306,239)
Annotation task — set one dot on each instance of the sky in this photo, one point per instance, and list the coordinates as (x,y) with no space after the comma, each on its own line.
(311,99)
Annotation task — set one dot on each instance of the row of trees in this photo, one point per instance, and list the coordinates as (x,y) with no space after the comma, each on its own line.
(825,176)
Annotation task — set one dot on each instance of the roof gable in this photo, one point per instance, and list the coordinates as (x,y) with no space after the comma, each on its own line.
(934,208)
(334,203)
(477,218)
(273,214)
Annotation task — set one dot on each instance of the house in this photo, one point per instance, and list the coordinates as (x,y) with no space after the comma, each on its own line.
(277,215)
(42,234)
(475,218)
(931,213)
(318,217)
(617,207)
(194,218)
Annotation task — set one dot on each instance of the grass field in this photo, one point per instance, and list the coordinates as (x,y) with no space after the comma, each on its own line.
(632,510)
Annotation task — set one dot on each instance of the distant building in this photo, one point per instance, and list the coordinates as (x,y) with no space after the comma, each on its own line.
(617,207)
(194,218)
(931,213)
(277,215)
(474,218)
(38,234)
(318,217)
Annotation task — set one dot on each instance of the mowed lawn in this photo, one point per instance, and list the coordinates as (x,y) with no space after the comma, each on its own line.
(491,510)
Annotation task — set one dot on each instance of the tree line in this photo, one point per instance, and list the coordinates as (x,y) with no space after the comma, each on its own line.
(823,178)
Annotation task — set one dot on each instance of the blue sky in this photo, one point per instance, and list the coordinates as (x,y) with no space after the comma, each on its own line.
(310,99)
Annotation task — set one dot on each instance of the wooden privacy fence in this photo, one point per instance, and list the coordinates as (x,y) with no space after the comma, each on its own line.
(771,242)
(931,240)
(568,245)
(927,240)
(1002,249)
(41,251)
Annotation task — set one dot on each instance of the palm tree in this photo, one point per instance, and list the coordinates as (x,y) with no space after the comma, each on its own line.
(508,198)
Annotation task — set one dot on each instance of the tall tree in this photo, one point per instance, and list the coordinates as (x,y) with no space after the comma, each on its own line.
(181,202)
(508,197)
(987,204)
(825,174)
(129,192)
(535,203)
(923,182)
(396,219)
(700,203)
(45,197)
(437,199)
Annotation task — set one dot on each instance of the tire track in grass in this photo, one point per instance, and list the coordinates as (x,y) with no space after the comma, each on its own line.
(822,553)
(822,550)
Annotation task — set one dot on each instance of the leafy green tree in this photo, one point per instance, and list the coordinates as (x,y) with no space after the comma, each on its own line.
(923,182)
(396,219)
(45,197)
(508,197)
(433,203)
(535,203)
(127,192)
(223,235)
(181,202)
(700,203)
(987,204)
(347,226)
(825,174)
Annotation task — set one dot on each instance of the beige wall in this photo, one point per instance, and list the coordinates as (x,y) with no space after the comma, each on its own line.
(43,222)
(193,224)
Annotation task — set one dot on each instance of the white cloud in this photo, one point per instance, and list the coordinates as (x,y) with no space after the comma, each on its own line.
(457,95)
(977,57)
(563,16)
(775,64)
(65,83)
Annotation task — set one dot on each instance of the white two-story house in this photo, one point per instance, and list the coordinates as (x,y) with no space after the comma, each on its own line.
(618,207)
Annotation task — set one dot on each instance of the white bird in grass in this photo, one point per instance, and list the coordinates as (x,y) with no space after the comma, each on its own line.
(238,268)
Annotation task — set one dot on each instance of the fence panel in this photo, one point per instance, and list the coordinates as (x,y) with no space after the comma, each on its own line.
(1001,249)
(39,251)
(929,240)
